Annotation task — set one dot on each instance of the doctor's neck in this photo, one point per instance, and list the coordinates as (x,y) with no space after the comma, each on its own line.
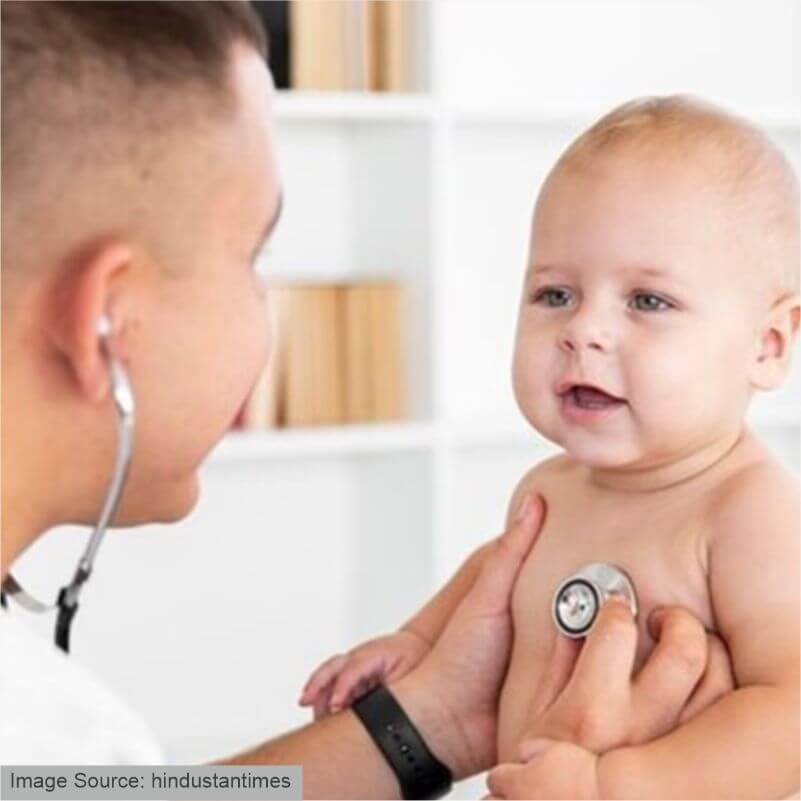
(49,475)
(25,512)
(30,485)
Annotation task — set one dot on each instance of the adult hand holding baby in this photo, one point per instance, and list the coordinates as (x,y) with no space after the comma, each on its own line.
(462,674)
(588,695)
(588,703)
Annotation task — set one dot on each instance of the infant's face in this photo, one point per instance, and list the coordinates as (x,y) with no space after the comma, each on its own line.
(638,317)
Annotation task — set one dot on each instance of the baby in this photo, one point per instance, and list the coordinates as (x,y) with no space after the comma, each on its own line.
(660,292)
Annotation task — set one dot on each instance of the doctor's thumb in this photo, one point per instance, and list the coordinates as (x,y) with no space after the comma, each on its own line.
(494,584)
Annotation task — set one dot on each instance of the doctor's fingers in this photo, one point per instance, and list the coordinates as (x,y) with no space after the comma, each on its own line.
(604,665)
(666,681)
(557,673)
(492,590)
(717,681)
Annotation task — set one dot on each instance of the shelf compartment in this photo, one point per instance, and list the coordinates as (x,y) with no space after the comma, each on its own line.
(353,106)
(332,441)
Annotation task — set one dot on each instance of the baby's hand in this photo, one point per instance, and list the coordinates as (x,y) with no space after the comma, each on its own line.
(342,679)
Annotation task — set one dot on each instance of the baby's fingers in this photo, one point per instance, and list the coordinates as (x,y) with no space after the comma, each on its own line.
(346,686)
(321,677)
(322,702)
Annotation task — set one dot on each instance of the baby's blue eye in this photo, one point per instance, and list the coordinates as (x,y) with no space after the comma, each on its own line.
(554,297)
(648,302)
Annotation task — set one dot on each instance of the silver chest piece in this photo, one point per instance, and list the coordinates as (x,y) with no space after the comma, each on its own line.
(579,597)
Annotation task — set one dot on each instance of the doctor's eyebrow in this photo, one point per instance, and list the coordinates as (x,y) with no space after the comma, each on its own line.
(270,227)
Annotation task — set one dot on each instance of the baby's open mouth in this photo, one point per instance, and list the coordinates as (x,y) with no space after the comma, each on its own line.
(587,397)
(584,403)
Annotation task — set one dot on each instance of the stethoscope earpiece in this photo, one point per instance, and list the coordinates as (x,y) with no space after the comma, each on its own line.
(104,326)
(67,601)
(579,597)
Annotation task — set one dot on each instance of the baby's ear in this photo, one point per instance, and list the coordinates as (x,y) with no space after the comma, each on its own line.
(777,336)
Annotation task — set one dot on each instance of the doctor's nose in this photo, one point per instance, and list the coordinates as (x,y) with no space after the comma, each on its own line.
(586,332)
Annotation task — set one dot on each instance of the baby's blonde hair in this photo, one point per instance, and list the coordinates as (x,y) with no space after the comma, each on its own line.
(734,152)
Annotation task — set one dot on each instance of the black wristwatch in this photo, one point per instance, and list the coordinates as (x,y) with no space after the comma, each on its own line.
(419,773)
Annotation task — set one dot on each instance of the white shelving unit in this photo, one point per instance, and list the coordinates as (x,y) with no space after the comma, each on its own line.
(307,541)
(361,107)
(475,157)
(328,442)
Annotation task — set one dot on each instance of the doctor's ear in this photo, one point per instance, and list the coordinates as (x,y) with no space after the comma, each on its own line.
(776,338)
(85,293)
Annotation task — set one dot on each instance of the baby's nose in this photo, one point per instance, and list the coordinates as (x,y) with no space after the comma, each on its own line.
(578,336)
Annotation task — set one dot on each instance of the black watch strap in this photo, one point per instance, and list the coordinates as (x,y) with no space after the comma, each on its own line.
(420,774)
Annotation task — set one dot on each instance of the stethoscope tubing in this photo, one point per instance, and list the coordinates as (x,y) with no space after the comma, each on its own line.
(125,407)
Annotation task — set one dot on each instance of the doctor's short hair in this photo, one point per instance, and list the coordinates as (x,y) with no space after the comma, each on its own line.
(88,84)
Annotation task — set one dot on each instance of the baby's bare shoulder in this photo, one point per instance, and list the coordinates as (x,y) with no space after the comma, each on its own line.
(542,478)
(753,551)
(759,499)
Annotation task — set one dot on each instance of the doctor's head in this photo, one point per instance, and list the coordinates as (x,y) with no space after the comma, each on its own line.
(139,180)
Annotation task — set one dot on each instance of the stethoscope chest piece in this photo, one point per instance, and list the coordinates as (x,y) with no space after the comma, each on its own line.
(579,597)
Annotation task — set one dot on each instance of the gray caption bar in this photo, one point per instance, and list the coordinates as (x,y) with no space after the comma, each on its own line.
(150,782)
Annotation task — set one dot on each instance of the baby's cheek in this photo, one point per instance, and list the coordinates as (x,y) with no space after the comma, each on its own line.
(537,405)
(656,373)
(532,372)
(666,389)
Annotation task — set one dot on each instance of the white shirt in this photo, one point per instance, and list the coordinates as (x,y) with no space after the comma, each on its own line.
(54,712)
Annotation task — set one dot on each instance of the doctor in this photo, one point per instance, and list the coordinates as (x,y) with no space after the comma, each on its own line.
(139,186)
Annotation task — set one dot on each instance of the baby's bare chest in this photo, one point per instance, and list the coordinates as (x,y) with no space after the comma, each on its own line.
(659,546)
(662,554)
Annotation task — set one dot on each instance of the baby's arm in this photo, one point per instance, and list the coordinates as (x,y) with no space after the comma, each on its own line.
(343,678)
(338,681)
(747,744)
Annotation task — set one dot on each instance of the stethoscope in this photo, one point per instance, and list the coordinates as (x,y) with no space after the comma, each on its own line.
(579,597)
(576,601)
(67,601)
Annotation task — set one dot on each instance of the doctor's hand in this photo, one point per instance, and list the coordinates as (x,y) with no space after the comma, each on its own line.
(462,675)
(587,702)
(589,697)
